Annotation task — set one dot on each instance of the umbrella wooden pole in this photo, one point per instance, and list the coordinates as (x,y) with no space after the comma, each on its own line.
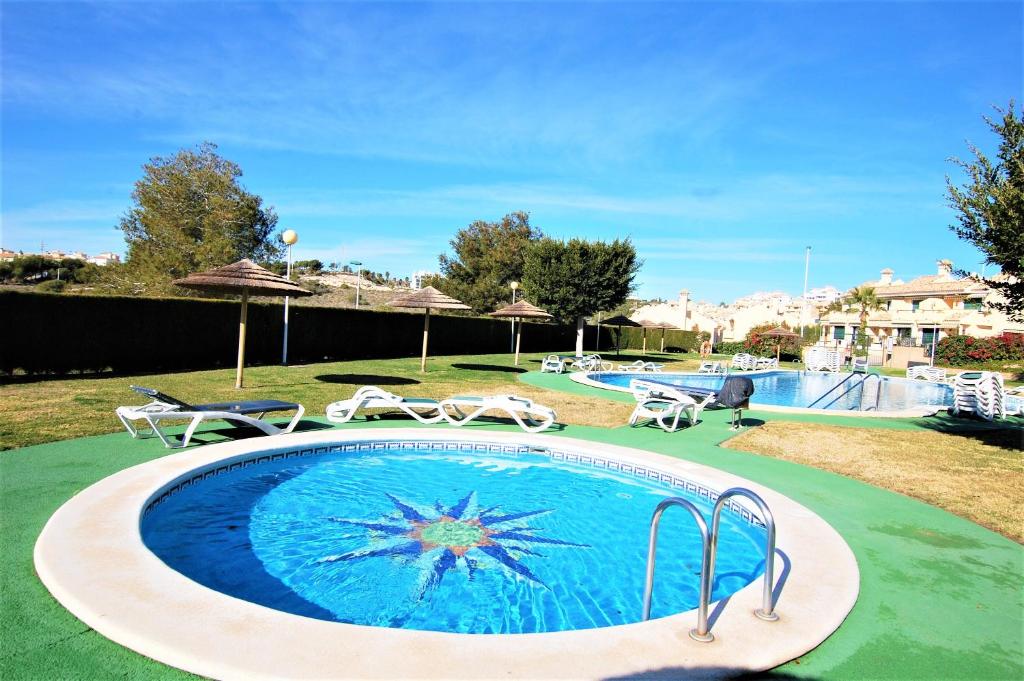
(519,332)
(426,334)
(778,352)
(645,341)
(663,340)
(241,338)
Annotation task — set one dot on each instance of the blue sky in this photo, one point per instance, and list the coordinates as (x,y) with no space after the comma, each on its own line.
(721,137)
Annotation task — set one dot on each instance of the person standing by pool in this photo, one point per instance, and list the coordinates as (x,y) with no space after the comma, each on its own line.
(705,349)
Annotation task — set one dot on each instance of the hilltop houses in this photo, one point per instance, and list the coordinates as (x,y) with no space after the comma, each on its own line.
(100,259)
(732,322)
(923,310)
(914,313)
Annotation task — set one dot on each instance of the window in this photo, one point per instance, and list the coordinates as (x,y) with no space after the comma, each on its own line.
(973,304)
(915,305)
(839,333)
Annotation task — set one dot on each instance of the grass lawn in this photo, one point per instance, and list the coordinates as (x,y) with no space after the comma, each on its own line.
(38,411)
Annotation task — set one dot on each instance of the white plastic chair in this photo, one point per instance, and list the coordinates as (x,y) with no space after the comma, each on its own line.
(981,393)
(710,367)
(552,363)
(665,405)
(372,397)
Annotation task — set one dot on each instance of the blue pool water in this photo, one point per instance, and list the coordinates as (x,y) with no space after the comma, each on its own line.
(470,541)
(801,389)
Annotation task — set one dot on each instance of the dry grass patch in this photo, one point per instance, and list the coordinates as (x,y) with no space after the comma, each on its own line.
(978,475)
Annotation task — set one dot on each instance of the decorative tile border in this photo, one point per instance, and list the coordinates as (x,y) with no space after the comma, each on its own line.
(512,450)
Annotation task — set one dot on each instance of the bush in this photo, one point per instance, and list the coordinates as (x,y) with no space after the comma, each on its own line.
(58,334)
(756,343)
(52,286)
(730,347)
(960,350)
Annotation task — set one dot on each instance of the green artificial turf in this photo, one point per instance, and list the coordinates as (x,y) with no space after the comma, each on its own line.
(940,597)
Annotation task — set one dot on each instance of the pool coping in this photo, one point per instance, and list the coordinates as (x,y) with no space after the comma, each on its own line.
(583,378)
(91,557)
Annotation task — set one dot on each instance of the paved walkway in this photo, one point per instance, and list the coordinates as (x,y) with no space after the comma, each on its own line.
(940,596)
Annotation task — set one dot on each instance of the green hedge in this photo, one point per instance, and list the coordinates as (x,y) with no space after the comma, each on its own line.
(60,334)
(632,339)
(731,347)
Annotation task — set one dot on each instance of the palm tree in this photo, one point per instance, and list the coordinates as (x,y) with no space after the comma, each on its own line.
(864,299)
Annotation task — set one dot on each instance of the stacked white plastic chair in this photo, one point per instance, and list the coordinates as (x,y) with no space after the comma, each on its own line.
(823,359)
(744,362)
(981,393)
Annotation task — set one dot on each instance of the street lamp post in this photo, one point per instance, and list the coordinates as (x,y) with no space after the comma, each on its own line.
(359,278)
(803,302)
(514,285)
(290,237)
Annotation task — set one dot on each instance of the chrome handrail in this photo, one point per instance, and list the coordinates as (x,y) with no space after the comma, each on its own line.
(878,392)
(767,609)
(700,633)
(829,391)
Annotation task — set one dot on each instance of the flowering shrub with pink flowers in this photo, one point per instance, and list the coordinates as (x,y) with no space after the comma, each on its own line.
(960,350)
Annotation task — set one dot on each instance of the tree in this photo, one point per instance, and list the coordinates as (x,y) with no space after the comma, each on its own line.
(864,300)
(991,209)
(308,266)
(190,213)
(488,256)
(574,279)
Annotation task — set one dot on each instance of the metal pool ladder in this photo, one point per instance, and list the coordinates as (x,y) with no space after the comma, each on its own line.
(709,549)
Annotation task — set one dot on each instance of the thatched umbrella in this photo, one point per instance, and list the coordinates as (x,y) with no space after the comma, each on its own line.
(620,321)
(248,279)
(648,324)
(665,326)
(428,298)
(521,310)
(780,332)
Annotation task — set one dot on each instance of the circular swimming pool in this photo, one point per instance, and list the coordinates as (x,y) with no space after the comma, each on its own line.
(374,553)
(805,389)
(474,538)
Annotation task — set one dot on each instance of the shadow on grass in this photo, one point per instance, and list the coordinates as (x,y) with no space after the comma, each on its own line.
(490,367)
(1007,433)
(709,672)
(366,379)
(496,420)
(231,433)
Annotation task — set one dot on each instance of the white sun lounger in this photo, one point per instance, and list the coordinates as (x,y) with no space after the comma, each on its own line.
(167,408)
(710,367)
(552,363)
(531,417)
(591,363)
(423,409)
(641,365)
(665,405)
(927,373)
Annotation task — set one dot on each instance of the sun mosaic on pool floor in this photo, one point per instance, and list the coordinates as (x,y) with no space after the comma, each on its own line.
(464,536)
